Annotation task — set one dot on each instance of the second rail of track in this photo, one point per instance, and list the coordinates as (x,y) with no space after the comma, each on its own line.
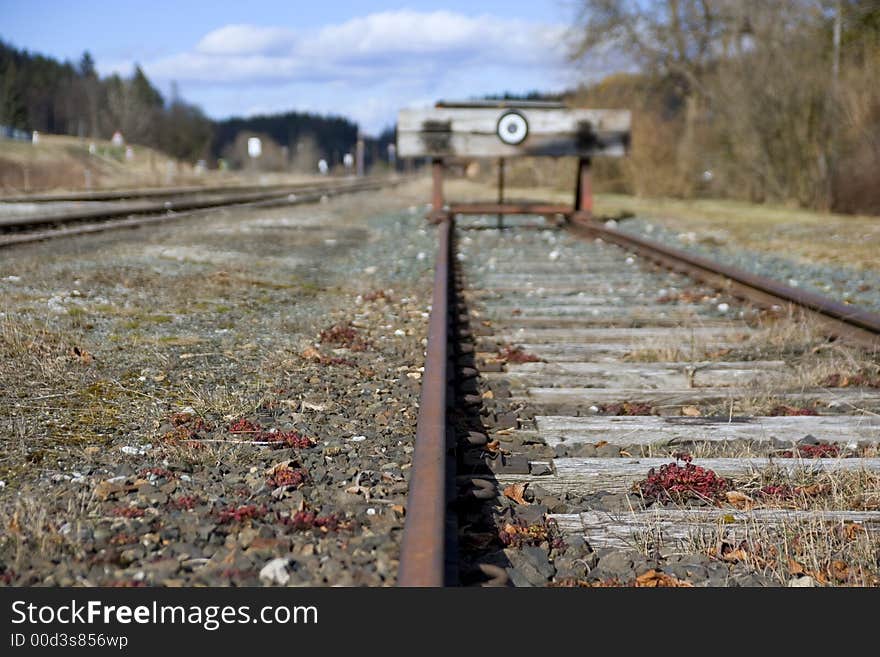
(141,214)
(424,551)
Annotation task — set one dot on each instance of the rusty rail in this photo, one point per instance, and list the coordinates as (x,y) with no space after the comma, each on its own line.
(840,320)
(423,549)
(182,205)
(107,219)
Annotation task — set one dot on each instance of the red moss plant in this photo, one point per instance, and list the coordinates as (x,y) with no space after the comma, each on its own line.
(244,426)
(185,502)
(626,408)
(858,380)
(241,513)
(160,473)
(186,427)
(289,439)
(321,359)
(305,520)
(782,491)
(513,354)
(791,411)
(286,476)
(821,451)
(279,439)
(127,512)
(343,335)
(375,295)
(675,483)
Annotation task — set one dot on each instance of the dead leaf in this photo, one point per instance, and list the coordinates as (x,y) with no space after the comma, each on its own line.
(839,570)
(852,530)
(493,446)
(601,443)
(488,395)
(310,353)
(656,579)
(278,466)
(691,411)
(84,356)
(515,492)
(739,500)
(726,552)
(105,489)
(814,490)
(794,568)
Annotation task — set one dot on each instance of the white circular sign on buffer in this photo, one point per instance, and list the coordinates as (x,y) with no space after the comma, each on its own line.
(513,128)
(255,147)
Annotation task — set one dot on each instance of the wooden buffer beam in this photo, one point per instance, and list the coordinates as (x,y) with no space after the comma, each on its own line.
(502,130)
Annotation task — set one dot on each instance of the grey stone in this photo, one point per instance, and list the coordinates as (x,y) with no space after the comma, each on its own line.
(749,580)
(616,502)
(532,514)
(584,450)
(539,469)
(506,420)
(519,579)
(531,563)
(687,571)
(608,451)
(617,564)
(509,464)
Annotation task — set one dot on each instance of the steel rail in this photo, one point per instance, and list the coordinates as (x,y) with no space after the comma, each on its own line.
(155,207)
(145,192)
(127,221)
(839,319)
(423,549)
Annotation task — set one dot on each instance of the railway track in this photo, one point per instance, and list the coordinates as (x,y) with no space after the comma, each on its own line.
(43,226)
(615,422)
(138,192)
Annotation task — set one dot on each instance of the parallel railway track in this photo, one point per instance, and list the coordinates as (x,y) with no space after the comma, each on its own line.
(43,226)
(580,372)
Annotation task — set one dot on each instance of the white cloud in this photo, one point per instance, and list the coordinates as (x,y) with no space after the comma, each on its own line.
(366,67)
(364,47)
(245,40)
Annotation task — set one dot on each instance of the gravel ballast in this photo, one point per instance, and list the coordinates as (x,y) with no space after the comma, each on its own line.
(229,400)
(860,287)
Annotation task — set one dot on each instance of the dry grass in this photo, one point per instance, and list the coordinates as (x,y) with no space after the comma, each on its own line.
(831,553)
(811,237)
(838,553)
(32,527)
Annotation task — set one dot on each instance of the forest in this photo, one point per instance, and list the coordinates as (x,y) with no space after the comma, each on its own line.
(43,94)
(762,101)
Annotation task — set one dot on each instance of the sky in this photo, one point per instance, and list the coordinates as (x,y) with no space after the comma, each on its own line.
(363,60)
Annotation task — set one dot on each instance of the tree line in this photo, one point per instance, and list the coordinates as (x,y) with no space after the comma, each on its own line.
(44,94)
(764,101)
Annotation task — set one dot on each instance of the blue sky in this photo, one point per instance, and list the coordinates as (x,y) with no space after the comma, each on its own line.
(364,60)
